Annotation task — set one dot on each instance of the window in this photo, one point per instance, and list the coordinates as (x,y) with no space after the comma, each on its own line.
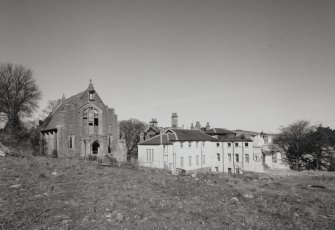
(266,140)
(90,121)
(196,144)
(190,161)
(246,158)
(189,144)
(152,152)
(71,142)
(218,156)
(237,158)
(237,171)
(246,144)
(147,154)
(236,144)
(182,162)
(181,145)
(229,157)
(217,169)
(229,170)
(229,144)
(197,160)
(203,160)
(91,96)
(203,143)
(217,145)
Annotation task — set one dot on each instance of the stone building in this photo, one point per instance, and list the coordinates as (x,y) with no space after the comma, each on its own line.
(83,126)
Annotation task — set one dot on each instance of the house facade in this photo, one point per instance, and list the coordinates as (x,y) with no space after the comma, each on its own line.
(193,151)
(272,156)
(82,126)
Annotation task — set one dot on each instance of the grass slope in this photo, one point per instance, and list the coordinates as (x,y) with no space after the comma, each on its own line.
(45,193)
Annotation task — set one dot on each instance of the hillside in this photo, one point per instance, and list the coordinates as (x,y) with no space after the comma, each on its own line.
(46,193)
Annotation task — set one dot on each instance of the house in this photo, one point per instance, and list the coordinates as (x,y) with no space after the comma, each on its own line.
(194,150)
(3,120)
(83,126)
(271,154)
(177,148)
(151,131)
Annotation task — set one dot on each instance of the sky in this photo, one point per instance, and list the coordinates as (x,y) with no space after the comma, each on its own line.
(253,64)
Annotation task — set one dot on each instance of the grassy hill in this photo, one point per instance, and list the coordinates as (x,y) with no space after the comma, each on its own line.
(46,193)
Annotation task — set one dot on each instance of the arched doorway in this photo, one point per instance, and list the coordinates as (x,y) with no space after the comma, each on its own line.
(95,147)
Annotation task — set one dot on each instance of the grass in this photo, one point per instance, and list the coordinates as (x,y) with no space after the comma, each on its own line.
(47,193)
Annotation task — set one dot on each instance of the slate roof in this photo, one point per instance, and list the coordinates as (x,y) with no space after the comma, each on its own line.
(190,135)
(51,121)
(162,139)
(218,131)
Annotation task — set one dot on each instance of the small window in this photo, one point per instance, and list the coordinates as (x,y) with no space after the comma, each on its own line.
(189,144)
(236,144)
(96,122)
(246,158)
(71,142)
(91,96)
(246,144)
(196,144)
(182,162)
(181,145)
(203,143)
(229,144)
(218,156)
(217,169)
(152,152)
(190,161)
(147,154)
(197,160)
(229,170)
(237,171)
(203,160)
(237,158)
(229,157)
(217,145)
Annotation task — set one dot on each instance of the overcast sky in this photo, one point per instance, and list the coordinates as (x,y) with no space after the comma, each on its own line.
(253,65)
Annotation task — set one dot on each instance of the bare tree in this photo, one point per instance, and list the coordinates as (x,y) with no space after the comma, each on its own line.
(19,94)
(131,130)
(52,105)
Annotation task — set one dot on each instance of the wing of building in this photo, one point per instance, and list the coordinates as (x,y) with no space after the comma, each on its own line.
(194,151)
(82,126)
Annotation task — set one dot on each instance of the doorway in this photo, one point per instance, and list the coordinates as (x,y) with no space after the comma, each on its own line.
(95,147)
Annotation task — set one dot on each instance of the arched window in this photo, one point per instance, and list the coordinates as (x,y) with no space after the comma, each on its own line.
(90,121)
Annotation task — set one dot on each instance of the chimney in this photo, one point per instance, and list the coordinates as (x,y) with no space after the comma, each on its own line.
(197,125)
(207,126)
(174,120)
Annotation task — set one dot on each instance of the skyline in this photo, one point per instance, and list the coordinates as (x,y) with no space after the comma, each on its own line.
(253,65)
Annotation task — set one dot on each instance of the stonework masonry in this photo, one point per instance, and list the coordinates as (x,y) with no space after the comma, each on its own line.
(83,126)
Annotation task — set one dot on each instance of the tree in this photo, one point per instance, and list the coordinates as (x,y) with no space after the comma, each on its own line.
(19,94)
(131,130)
(320,149)
(52,104)
(293,140)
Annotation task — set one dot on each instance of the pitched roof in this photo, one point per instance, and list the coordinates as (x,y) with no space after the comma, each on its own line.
(189,135)
(51,121)
(162,139)
(219,131)
(239,131)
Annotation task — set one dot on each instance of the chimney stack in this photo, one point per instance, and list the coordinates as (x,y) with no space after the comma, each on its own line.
(174,120)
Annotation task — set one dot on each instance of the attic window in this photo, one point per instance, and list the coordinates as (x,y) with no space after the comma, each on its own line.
(91,95)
